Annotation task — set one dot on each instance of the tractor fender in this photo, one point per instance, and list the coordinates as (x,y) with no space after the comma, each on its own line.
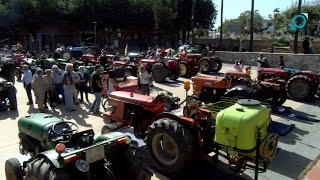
(185,121)
(172,64)
(311,75)
(241,88)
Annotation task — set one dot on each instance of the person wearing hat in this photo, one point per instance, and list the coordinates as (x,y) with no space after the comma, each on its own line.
(144,79)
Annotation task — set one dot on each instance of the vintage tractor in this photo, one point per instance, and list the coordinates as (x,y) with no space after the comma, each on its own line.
(175,138)
(206,64)
(59,151)
(7,94)
(238,84)
(300,85)
(136,110)
(189,67)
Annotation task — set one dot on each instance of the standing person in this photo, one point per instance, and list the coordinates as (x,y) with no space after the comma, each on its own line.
(144,78)
(281,63)
(260,61)
(311,47)
(306,45)
(103,58)
(83,83)
(58,77)
(49,89)
(76,79)
(27,83)
(38,86)
(112,82)
(96,89)
(237,67)
(69,88)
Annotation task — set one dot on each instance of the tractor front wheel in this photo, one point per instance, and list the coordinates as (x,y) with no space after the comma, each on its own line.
(216,64)
(13,169)
(205,65)
(184,69)
(39,169)
(159,72)
(299,88)
(170,145)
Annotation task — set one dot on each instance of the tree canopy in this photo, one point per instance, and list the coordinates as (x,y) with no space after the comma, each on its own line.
(260,23)
(165,15)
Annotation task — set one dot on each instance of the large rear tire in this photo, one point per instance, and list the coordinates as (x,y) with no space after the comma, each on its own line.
(170,145)
(12,96)
(184,69)
(216,64)
(13,169)
(299,88)
(159,72)
(175,73)
(205,65)
(39,169)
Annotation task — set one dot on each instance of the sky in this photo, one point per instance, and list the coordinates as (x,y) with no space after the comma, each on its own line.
(233,8)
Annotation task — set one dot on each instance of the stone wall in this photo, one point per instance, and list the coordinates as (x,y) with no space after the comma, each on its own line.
(300,61)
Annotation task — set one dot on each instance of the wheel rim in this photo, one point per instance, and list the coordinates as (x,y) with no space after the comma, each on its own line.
(204,65)
(66,56)
(183,69)
(299,89)
(165,149)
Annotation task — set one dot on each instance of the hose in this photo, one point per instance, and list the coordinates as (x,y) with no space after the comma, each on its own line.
(268,146)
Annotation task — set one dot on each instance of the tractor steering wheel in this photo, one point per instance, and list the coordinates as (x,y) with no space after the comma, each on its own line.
(65,128)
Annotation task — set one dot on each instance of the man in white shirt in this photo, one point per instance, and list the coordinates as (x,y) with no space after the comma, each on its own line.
(27,80)
(58,78)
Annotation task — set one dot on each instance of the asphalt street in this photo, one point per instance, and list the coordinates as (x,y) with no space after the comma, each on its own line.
(297,149)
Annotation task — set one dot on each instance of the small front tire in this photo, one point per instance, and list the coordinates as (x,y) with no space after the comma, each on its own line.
(13,169)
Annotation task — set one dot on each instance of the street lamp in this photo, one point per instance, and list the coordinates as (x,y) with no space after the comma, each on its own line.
(95,33)
(221,26)
(275,12)
(251,25)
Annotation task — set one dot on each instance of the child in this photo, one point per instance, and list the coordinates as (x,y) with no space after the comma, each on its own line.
(237,66)
(144,78)
(281,62)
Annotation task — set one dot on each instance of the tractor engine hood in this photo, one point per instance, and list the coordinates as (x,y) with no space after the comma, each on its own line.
(37,125)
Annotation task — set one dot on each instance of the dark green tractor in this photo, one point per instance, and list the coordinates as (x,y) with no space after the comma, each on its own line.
(7,95)
(57,151)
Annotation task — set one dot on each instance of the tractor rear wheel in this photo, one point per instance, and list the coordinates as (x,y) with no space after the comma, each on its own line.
(13,169)
(170,145)
(39,169)
(184,69)
(159,72)
(12,96)
(175,73)
(299,88)
(216,64)
(205,65)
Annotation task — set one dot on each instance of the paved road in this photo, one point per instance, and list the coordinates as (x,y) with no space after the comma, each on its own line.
(298,148)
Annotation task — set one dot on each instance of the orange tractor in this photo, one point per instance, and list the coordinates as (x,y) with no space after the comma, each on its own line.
(239,85)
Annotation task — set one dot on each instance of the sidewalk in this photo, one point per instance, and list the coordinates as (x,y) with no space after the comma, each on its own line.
(314,173)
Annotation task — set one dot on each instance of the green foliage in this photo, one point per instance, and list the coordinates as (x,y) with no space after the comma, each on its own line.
(260,23)
(165,14)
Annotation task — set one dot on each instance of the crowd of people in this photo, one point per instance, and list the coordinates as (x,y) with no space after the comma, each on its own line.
(56,86)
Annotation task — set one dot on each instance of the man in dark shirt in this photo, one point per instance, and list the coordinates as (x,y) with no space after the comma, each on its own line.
(96,89)
(306,46)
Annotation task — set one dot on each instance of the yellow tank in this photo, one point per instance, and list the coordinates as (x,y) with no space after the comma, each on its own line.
(237,126)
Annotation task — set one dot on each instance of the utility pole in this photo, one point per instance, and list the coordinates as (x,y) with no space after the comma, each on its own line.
(295,48)
(95,33)
(251,26)
(192,21)
(221,26)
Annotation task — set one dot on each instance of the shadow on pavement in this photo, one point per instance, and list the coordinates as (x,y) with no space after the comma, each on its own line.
(293,136)
(289,164)
(12,115)
(171,83)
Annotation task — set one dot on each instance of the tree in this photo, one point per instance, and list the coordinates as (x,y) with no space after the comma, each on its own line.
(260,25)
(205,14)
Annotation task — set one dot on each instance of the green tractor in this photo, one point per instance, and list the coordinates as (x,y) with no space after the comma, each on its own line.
(55,150)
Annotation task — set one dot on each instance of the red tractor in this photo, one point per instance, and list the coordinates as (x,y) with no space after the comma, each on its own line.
(300,85)
(205,64)
(238,84)
(160,70)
